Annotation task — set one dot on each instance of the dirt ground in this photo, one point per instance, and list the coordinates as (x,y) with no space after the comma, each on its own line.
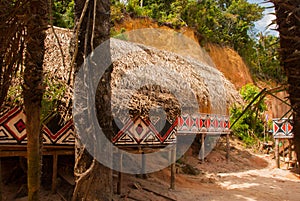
(246,177)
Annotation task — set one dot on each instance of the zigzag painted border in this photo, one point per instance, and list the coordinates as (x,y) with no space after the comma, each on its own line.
(134,132)
(61,136)
(13,131)
(142,132)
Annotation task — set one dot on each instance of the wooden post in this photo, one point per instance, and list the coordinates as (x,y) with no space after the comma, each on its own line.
(290,153)
(173,167)
(54,173)
(143,165)
(227,147)
(120,175)
(202,147)
(0,181)
(277,153)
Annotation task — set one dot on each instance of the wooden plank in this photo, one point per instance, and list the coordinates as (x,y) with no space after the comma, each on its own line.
(183,133)
(21,147)
(12,153)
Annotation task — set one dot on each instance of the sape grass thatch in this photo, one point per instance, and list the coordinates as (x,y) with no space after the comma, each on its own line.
(168,71)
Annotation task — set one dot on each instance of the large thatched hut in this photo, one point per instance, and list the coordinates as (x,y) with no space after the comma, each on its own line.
(171,77)
(157,83)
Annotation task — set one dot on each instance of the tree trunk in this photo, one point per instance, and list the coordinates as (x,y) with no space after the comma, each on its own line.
(33,91)
(96,184)
(288,21)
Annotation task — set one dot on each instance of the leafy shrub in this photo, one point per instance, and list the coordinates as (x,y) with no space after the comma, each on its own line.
(250,126)
(117,12)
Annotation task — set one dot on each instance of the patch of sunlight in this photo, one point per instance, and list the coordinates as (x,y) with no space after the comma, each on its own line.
(229,185)
(246,198)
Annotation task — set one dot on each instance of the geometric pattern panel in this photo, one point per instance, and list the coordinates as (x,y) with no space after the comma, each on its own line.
(282,128)
(13,130)
(189,123)
(65,135)
(203,123)
(12,127)
(140,131)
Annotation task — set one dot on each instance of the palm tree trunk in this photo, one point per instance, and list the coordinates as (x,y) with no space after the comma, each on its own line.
(94,29)
(33,91)
(288,21)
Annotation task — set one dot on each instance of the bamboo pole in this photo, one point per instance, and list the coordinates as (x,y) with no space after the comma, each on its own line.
(249,105)
(173,168)
(277,153)
(227,147)
(120,175)
(202,147)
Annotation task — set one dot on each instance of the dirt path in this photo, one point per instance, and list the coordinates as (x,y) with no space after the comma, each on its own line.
(246,177)
(264,184)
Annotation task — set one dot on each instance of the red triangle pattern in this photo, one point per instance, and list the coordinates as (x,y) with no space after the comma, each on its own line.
(12,124)
(282,128)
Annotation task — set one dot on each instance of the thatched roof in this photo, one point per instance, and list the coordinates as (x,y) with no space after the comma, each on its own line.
(171,80)
(146,77)
(57,67)
(173,67)
(56,71)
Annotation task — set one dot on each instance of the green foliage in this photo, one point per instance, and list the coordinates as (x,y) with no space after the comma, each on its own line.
(250,126)
(14,94)
(225,22)
(133,7)
(117,11)
(265,59)
(165,12)
(52,97)
(63,13)
(118,34)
